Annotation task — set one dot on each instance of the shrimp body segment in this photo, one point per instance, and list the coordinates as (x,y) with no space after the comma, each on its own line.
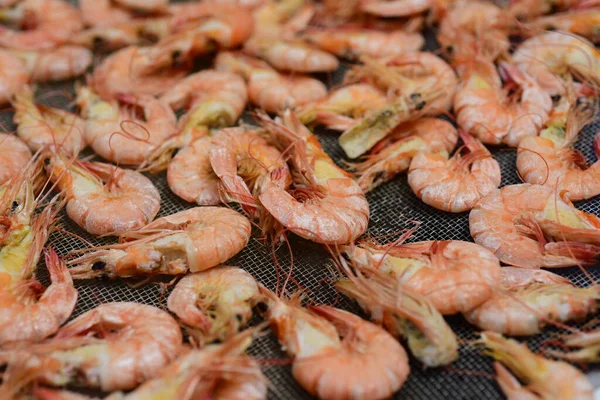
(14,156)
(61,63)
(217,302)
(458,183)
(394,8)
(196,239)
(13,75)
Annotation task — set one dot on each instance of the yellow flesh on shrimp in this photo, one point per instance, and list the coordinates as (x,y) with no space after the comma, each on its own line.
(14,254)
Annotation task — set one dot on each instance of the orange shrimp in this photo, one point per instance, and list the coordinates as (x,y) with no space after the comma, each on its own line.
(454,184)
(528,9)
(268,89)
(143,5)
(393,154)
(583,22)
(527,299)
(484,110)
(192,240)
(455,276)
(103,13)
(330,207)
(13,75)
(57,64)
(394,8)
(368,363)
(516,221)
(14,156)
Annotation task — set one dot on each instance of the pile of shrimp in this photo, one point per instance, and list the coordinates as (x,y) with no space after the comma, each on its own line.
(225,105)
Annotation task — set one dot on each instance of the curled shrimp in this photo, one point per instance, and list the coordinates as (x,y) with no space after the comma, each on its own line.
(190,175)
(544,378)
(196,239)
(268,89)
(394,8)
(343,107)
(527,299)
(367,363)
(216,302)
(393,154)
(49,22)
(583,23)
(41,126)
(553,56)
(61,63)
(454,184)
(455,276)
(245,164)
(104,199)
(13,75)
(480,96)
(352,43)
(518,222)
(403,313)
(330,207)
(550,160)
(24,317)
(115,346)
(14,156)
(114,130)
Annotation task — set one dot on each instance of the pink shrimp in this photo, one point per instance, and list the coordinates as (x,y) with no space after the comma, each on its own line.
(13,75)
(14,156)
(394,8)
(65,62)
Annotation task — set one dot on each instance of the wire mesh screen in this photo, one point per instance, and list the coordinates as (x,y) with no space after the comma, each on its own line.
(393,206)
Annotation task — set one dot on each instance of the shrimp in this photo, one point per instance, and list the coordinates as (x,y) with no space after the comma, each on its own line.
(268,89)
(544,379)
(454,184)
(217,302)
(14,156)
(393,154)
(103,199)
(103,13)
(50,23)
(455,276)
(528,9)
(41,126)
(550,160)
(394,8)
(13,75)
(553,58)
(115,346)
(410,73)
(583,23)
(25,318)
(61,63)
(245,164)
(143,5)
(528,299)
(515,222)
(196,239)
(116,132)
(584,347)
(484,110)
(352,43)
(368,363)
(330,207)
(191,177)
(403,313)
(343,107)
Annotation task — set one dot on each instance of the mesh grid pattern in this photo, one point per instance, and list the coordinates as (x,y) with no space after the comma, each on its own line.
(393,206)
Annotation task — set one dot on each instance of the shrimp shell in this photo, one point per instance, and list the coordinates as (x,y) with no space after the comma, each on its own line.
(14,156)
(13,75)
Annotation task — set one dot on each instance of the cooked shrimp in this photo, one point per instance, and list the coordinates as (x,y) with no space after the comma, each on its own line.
(528,9)
(584,347)
(104,199)
(291,55)
(49,22)
(553,58)
(13,75)
(191,177)
(25,317)
(394,8)
(143,5)
(392,155)
(368,363)
(217,302)
(550,160)
(544,378)
(330,207)
(352,43)
(196,239)
(41,126)
(579,22)
(271,18)
(403,313)
(268,89)
(14,156)
(484,110)
(515,221)
(103,13)
(524,304)
(455,276)
(115,346)
(116,132)
(343,107)
(245,164)
(454,184)
(65,62)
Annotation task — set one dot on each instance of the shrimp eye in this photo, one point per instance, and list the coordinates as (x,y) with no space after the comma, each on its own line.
(386,113)
(556,98)
(551,28)
(14,206)
(175,55)
(378,176)
(420,105)
(262,307)
(98,266)
(450,49)
(415,96)
(239,317)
